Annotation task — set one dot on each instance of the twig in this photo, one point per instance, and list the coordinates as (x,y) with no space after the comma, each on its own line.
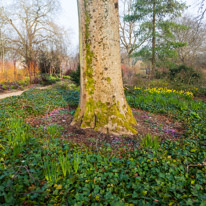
(197,165)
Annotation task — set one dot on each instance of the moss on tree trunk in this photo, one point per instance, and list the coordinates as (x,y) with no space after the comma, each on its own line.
(102,106)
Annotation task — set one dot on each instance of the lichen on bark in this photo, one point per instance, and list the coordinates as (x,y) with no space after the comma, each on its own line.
(102,106)
(89,54)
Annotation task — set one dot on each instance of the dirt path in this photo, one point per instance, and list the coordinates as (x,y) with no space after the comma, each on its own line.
(17,93)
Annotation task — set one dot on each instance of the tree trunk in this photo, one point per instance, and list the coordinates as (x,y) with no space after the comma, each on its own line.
(154,39)
(29,67)
(34,68)
(15,71)
(102,106)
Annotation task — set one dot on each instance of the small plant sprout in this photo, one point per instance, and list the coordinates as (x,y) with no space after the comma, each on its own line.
(17,135)
(51,170)
(53,130)
(76,162)
(65,165)
(150,142)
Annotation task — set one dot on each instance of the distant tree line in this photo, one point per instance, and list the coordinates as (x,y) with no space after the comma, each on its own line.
(29,33)
(156,32)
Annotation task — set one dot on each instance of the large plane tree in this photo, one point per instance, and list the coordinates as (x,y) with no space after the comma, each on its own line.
(103,106)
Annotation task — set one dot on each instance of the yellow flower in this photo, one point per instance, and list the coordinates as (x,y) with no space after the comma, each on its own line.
(162,90)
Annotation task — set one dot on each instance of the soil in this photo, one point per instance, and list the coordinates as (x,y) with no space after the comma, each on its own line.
(201,98)
(157,125)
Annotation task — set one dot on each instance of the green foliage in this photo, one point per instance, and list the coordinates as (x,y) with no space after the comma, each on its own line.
(61,172)
(51,170)
(13,85)
(17,135)
(157,28)
(54,169)
(4,87)
(75,76)
(66,85)
(24,83)
(49,79)
(184,74)
(66,77)
(173,105)
(197,88)
(53,130)
(76,162)
(65,164)
(150,142)
(70,97)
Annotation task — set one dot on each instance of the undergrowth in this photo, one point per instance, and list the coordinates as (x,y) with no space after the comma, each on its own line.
(38,168)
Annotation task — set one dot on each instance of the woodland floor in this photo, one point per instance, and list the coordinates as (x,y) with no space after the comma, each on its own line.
(147,123)
(45,161)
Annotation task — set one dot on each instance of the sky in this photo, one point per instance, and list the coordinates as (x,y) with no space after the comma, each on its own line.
(69,17)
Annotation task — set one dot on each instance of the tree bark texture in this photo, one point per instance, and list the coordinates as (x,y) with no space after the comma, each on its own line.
(102,105)
(154,39)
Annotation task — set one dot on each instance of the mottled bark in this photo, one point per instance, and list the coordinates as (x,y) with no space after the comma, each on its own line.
(102,106)
(154,39)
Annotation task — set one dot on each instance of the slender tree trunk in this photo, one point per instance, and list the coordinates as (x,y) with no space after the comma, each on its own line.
(102,106)
(14,70)
(3,59)
(2,46)
(30,71)
(129,59)
(34,68)
(154,39)
(50,70)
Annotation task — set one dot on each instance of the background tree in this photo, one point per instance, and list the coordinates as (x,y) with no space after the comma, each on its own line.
(194,37)
(102,106)
(129,31)
(202,9)
(29,26)
(2,50)
(156,17)
(54,52)
(2,43)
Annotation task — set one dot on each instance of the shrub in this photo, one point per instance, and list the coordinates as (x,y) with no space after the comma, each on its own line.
(36,80)
(68,72)
(160,75)
(66,85)
(66,77)
(4,87)
(48,79)
(24,83)
(184,74)
(75,76)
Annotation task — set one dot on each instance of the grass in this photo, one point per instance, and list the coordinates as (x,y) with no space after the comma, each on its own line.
(46,170)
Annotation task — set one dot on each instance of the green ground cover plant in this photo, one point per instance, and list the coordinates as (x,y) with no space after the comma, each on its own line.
(198,88)
(39,168)
(43,79)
